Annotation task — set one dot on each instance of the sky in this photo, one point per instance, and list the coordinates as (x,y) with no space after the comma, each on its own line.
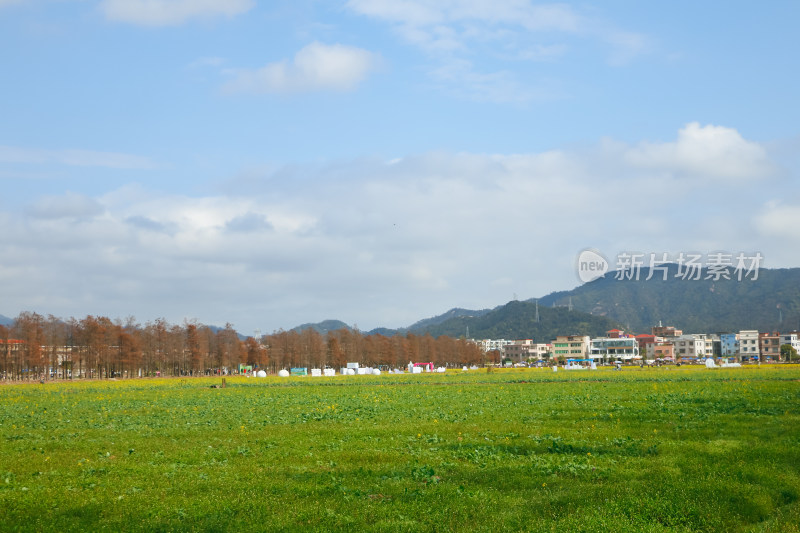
(268,164)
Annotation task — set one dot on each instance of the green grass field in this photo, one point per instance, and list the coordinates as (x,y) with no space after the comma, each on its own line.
(667,449)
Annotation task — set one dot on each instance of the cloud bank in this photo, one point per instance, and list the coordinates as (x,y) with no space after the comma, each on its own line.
(377,242)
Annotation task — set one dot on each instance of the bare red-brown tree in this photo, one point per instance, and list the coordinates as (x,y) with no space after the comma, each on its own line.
(29,328)
(193,347)
(314,348)
(256,353)
(5,353)
(231,348)
(335,353)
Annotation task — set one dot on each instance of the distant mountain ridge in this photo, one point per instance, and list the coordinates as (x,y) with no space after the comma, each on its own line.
(455,313)
(518,320)
(514,320)
(704,305)
(769,303)
(323,327)
(424,325)
(709,304)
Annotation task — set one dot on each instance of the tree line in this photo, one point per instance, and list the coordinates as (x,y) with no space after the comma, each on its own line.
(47,347)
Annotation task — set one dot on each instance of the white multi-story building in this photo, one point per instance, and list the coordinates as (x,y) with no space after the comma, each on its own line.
(792,339)
(609,349)
(694,346)
(713,344)
(522,350)
(490,345)
(541,351)
(748,344)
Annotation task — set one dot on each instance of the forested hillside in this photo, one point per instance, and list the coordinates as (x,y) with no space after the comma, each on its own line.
(770,302)
(518,320)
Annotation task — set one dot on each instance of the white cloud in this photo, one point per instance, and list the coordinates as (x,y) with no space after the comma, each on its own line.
(315,67)
(457,26)
(781,221)
(459,77)
(210,216)
(171,12)
(79,158)
(404,11)
(67,206)
(145,223)
(431,12)
(705,152)
(248,223)
(425,22)
(486,33)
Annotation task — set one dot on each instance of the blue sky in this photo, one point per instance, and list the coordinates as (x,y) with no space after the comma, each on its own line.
(380,161)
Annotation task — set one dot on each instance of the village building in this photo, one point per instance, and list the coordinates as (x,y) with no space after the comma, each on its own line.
(770,346)
(693,346)
(571,346)
(526,349)
(617,346)
(660,351)
(748,345)
(666,331)
(729,344)
(792,339)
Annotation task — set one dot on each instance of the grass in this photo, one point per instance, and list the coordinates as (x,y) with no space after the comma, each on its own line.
(669,449)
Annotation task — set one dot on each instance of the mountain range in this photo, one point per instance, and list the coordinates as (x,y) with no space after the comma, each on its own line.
(766,300)
(515,319)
